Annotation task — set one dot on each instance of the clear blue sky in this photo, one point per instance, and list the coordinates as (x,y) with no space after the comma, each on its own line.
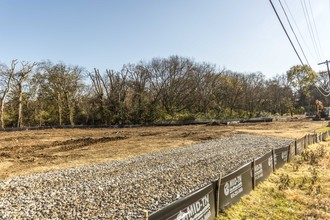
(240,35)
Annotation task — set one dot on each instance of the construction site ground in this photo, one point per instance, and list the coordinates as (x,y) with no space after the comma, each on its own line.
(27,152)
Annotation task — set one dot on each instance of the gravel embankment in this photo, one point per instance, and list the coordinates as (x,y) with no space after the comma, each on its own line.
(123,189)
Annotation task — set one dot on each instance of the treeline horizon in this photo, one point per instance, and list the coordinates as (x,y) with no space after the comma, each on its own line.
(162,89)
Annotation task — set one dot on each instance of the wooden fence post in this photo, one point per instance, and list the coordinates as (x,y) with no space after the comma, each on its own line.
(146,214)
(218,195)
(274,158)
(254,174)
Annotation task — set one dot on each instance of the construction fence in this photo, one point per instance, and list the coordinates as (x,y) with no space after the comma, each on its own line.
(214,198)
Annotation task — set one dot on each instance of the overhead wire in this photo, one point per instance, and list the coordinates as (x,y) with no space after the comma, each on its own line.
(325,92)
(278,17)
(298,29)
(316,31)
(294,33)
(309,26)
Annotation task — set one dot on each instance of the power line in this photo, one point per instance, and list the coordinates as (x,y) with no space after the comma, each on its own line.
(286,32)
(325,92)
(316,31)
(310,29)
(301,36)
(287,18)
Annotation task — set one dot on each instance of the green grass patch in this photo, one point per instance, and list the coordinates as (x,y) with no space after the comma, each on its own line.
(322,130)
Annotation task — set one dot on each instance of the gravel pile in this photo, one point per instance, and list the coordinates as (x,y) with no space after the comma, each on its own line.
(123,189)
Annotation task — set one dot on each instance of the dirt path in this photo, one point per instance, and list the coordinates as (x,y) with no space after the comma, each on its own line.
(26,152)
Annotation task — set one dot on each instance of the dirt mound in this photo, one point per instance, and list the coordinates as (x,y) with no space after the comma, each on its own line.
(83,142)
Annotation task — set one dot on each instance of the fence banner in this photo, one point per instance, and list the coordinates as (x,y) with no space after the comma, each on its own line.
(292,151)
(304,141)
(263,167)
(281,156)
(300,143)
(312,138)
(324,136)
(309,139)
(315,137)
(200,205)
(234,186)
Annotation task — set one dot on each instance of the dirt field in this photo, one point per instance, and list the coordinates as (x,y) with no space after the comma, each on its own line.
(26,152)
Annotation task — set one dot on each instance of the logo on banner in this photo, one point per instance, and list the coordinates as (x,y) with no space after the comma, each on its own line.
(299,146)
(226,189)
(285,155)
(233,187)
(258,171)
(270,161)
(199,210)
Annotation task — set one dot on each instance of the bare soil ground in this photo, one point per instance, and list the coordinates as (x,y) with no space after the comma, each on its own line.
(26,152)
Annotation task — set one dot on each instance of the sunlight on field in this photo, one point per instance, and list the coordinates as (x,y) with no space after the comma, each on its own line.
(300,190)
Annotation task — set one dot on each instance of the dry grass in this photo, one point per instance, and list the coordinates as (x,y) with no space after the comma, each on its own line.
(300,190)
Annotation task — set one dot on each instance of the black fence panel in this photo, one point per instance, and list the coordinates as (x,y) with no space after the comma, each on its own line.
(315,138)
(234,186)
(263,167)
(281,156)
(200,205)
(254,120)
(300,144)
(292,151)
(318,138)
(309,140)
(312,138)
(324,136)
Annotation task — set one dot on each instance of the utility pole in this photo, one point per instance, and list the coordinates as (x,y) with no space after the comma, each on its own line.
(327,63)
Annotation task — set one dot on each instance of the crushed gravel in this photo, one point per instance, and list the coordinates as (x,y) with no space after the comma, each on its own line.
(123,189)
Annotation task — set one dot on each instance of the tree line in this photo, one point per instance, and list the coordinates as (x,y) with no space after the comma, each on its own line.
(163,89)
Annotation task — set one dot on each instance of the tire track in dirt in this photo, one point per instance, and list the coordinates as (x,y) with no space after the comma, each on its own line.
(47,153)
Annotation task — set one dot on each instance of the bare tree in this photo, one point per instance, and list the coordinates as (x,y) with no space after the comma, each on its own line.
(6,76)
(278,97)
(97,91)
(231,91)
(19,79)
(205,96)
(138,76)
(253,85)
(59,88)
(112,86)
